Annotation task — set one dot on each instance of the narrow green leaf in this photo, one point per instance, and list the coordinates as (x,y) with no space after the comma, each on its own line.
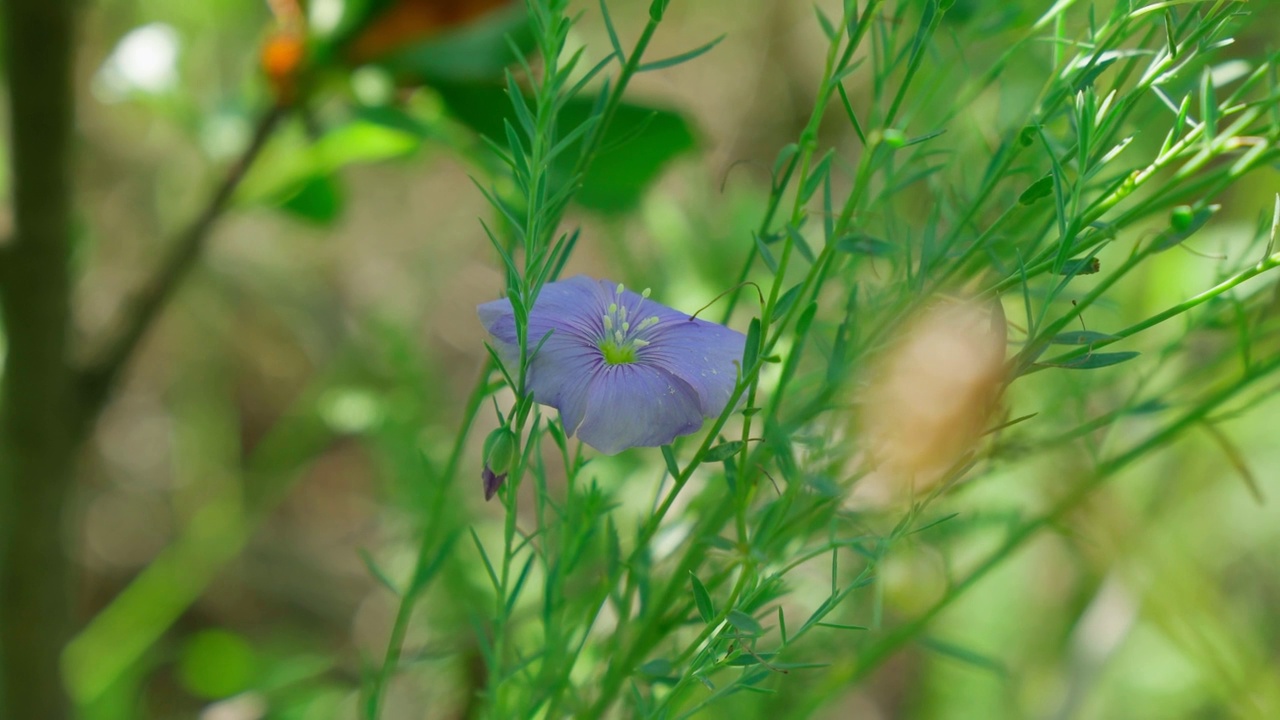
(377,572)
(744,623)
(1208,107)
(1093,361)
(723,451)
(786,156)
(828,28)
(853,117)
(1275,224)
(1081,337)
(1083,266)
(702,599)
(1237,460)
(816,177)
(669,456)
(1038,190)
(785,302)
(798,241)
(520,580)
(488,566)
(683,57)
(964,655)
(613,33)
(908,142)
(765,254)
(840,626)
(1182,227)
(864,245)
(752,349)
(933,524)
(747,660)
(659,668)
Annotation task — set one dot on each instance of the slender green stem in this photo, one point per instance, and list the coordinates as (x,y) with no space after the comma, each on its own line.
(433,530)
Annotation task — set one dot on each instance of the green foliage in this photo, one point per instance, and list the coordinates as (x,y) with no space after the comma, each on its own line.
(1050,169)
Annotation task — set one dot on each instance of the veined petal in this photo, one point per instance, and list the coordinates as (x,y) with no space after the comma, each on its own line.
(572,308)
(702,354)
(571,311)
(635,405)
(560,375)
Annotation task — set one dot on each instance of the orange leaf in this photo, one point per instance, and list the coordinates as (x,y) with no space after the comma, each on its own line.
(411,21)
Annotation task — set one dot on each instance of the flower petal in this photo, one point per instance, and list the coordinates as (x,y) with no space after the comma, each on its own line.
(570,307)
(634,405)
(702,354)
(571,311)
(560,376)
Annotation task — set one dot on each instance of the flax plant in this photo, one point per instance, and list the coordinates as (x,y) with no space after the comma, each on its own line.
(902,193)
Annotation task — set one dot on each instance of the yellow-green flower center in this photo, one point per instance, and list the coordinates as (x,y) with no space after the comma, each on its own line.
(621,339)
(615,354)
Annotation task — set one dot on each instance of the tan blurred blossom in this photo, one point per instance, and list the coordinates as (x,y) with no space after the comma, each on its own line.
(933,393)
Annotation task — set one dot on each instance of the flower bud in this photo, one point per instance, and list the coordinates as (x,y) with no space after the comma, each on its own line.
(499,451)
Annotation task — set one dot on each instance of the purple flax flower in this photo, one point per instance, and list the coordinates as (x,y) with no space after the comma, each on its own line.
(622,370)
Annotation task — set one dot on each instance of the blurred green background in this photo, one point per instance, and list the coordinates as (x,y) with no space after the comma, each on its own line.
(265,449)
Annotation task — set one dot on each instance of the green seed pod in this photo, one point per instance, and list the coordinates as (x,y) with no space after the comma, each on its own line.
(499,452)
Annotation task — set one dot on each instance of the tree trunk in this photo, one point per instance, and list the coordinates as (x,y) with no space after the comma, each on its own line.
(37,406)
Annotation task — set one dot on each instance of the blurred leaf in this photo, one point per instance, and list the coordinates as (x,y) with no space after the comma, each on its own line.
(477,51)
(746,659)
(1083,266)
(293,177)
(864,245)
(744,623)
(964,655)
(217,664)
(636,146)
(1237,460)
(377,572)
(658,669)
(1038,190)
(318,200)
(424,40)
(723,451)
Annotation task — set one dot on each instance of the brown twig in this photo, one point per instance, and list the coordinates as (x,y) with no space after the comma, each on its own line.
(100,376)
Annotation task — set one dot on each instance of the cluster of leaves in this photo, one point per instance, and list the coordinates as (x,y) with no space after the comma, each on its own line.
(438,54)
